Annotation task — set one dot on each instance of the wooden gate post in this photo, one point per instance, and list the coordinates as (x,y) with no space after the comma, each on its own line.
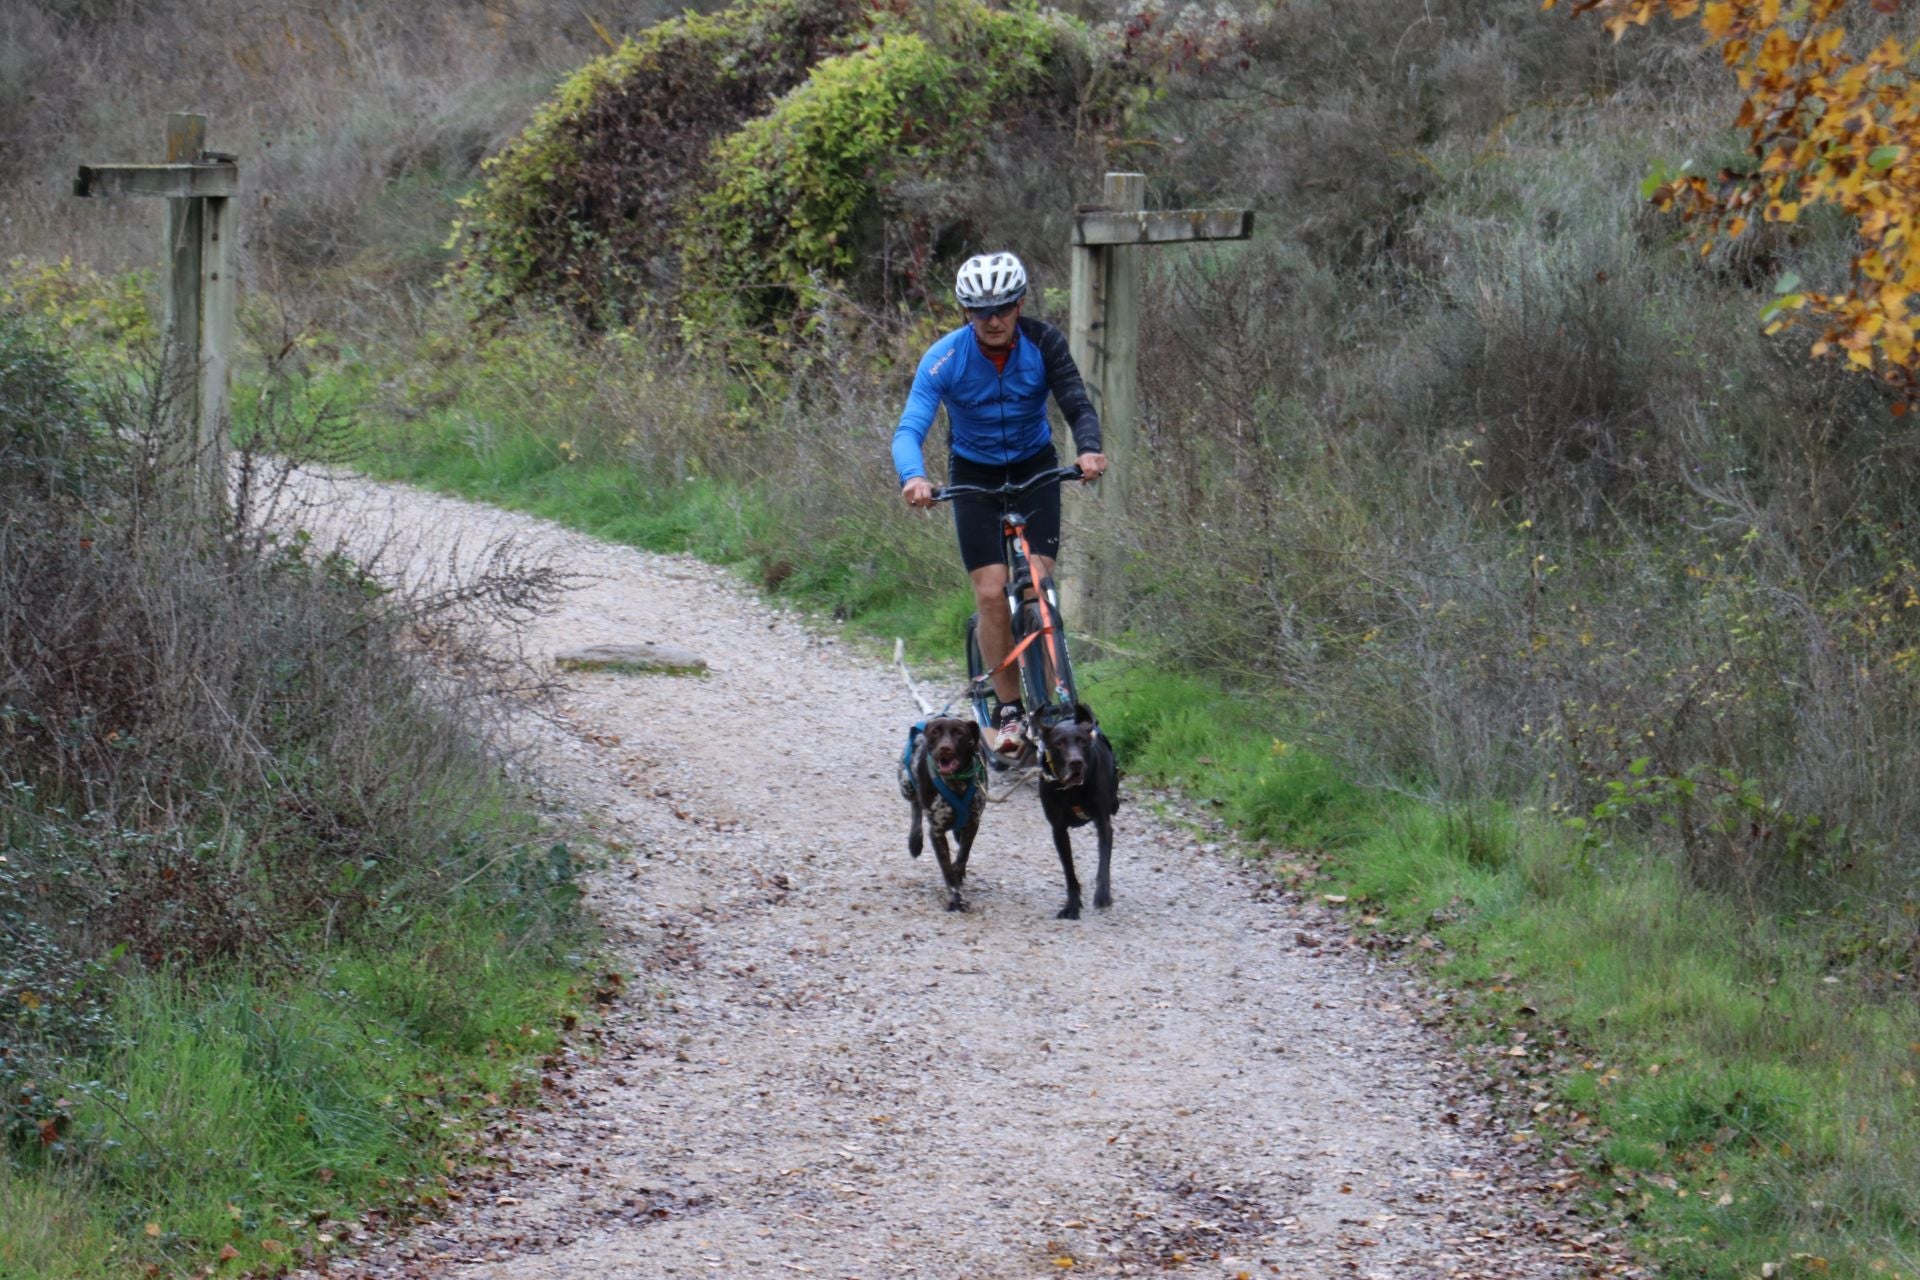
(1103,332)
(199,187)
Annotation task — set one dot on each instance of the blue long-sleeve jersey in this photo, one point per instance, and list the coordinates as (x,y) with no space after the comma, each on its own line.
(994,416)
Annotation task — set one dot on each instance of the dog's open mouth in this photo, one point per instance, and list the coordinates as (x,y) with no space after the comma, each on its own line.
(948,765)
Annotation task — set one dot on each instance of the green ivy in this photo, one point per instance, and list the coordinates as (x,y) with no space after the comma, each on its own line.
(798,194)
(735,168)
(577,210)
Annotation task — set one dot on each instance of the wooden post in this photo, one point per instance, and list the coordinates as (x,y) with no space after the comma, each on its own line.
(1103,333)
(185,230)
(199,187)
(218,299)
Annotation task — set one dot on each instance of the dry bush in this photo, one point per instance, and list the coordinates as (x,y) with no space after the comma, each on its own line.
(1503,485)
(1552,381)
(356,124)
(1328,115)
(223,749)
(830,483)
(29,42)
(632,398)
(1307,520)
(1237,356)
(656,419)
(218,741)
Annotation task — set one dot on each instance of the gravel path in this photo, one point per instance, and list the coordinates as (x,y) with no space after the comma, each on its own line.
(818,1070)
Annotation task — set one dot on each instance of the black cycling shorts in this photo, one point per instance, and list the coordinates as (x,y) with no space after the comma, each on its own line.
(977,520)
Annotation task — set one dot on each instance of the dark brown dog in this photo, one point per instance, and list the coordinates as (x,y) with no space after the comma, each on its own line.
(942,778)
(1080,784)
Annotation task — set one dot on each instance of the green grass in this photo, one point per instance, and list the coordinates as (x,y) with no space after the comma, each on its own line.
(49,1228)
(729,522)
(1242,759)
(241,1112)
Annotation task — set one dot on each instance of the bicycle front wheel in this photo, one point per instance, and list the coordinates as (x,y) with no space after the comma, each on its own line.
(976,673)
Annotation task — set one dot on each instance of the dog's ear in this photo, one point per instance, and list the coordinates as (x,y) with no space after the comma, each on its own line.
(1083,714)
(973,731)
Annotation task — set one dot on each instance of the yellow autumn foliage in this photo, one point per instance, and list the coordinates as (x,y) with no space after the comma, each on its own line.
(1827,125)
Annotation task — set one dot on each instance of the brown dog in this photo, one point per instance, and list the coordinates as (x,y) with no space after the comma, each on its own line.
(942,777)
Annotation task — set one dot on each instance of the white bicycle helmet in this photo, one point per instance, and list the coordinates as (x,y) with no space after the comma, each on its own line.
(990,280)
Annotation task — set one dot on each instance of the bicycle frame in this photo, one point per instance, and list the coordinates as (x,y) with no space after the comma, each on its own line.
(1038,652)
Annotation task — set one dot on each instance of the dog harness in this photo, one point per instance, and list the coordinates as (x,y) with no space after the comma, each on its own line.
(961,802)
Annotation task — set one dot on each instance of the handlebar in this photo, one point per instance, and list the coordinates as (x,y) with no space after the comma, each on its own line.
(1010,490)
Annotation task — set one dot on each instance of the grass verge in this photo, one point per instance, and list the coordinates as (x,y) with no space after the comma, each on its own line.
(237,1121)
(721,519)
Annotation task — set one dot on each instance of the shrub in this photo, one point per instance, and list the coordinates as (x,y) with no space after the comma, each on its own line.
(579,210)
(215,750)
(751,163)
(86,307)
(818,189)
(51,449)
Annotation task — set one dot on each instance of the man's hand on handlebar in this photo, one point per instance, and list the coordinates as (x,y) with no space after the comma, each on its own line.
(918,492)
(1092,466)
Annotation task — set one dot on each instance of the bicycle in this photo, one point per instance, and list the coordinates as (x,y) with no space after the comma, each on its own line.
(1039,648)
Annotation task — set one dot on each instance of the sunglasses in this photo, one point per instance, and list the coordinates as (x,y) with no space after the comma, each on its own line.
(992,313)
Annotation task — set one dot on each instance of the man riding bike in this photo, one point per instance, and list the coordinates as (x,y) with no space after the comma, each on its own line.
(994,374)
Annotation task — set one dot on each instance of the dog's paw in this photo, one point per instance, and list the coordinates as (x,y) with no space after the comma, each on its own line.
(956,904)
(1069,912)
(1103,900)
